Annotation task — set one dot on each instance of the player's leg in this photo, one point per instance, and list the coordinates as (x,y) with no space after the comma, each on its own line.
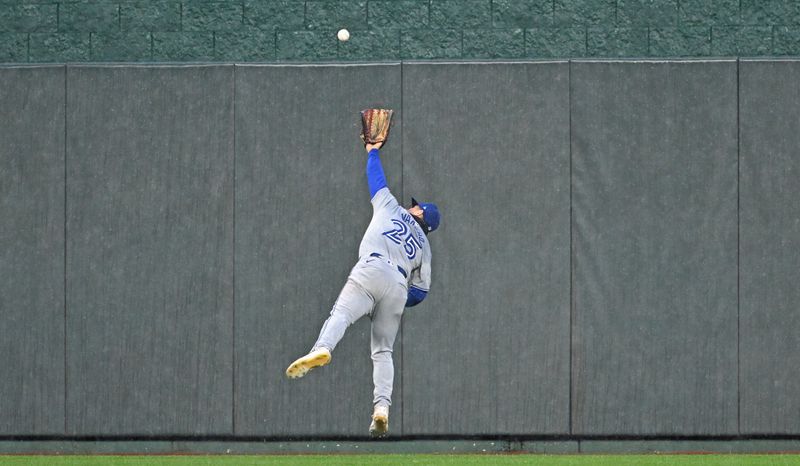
(385,325)
(353,303)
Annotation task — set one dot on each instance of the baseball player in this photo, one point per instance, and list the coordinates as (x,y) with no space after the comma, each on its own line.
(393,272)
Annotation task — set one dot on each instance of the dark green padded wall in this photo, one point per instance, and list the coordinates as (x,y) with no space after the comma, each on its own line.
(150,250)
(592,274)
(770,240)
(32,250)
(654,181)
(488,351)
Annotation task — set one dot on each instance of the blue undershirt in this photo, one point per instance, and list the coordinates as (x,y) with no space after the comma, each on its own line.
(375,177)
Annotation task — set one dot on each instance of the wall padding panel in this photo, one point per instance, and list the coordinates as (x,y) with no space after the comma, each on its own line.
(654,149)
(770,247)
(32,250)
(488,351)
(150,250)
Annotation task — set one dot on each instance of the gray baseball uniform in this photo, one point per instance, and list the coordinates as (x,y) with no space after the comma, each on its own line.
(394,263)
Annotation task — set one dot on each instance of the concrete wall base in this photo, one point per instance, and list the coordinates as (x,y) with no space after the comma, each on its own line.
(576,446)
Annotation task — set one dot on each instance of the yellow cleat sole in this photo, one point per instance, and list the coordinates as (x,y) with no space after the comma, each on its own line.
(301,367)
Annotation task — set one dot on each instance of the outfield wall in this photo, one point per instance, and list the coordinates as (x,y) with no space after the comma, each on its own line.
(618,253)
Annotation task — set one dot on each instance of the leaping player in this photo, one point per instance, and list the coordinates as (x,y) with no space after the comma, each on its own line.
(393,272)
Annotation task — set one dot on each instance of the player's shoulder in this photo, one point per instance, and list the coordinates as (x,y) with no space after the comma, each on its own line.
(384,198)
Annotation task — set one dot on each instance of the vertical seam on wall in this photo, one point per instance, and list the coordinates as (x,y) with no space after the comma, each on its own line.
(616,12)
(524,42)
(571,265)
(233,270)
(711,40)
(771,42)
(65,250)
(738,254)
(403,196)
(585,49)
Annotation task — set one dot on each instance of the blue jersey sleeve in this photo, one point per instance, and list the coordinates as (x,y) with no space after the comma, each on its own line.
(375,177)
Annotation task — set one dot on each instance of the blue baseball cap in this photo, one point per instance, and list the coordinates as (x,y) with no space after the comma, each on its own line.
(430,214)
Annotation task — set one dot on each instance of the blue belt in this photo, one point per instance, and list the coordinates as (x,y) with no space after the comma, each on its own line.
(399,269)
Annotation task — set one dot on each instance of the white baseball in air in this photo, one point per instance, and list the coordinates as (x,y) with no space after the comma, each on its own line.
(343,34)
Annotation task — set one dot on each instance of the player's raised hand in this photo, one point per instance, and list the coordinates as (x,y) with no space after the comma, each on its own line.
(369,147)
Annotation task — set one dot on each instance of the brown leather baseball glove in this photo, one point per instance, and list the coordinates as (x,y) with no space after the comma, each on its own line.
(375,123)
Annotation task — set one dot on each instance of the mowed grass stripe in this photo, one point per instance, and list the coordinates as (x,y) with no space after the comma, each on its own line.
(398,459)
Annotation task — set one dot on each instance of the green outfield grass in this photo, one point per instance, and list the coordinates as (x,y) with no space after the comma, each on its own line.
(454,460)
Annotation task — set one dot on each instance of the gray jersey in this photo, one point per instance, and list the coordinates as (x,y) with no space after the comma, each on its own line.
(395,235)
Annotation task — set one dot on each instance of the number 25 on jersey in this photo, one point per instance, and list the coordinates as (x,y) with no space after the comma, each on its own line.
(403,237)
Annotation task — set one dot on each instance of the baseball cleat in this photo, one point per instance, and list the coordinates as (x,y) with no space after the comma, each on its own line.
(316,358)
(380,421)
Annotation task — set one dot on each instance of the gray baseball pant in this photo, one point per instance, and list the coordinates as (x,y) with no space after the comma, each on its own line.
(375,288)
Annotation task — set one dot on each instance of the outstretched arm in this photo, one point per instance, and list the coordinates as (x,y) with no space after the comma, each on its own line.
(375,177)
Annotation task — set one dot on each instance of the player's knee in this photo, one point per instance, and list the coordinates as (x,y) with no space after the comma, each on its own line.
(382,354)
